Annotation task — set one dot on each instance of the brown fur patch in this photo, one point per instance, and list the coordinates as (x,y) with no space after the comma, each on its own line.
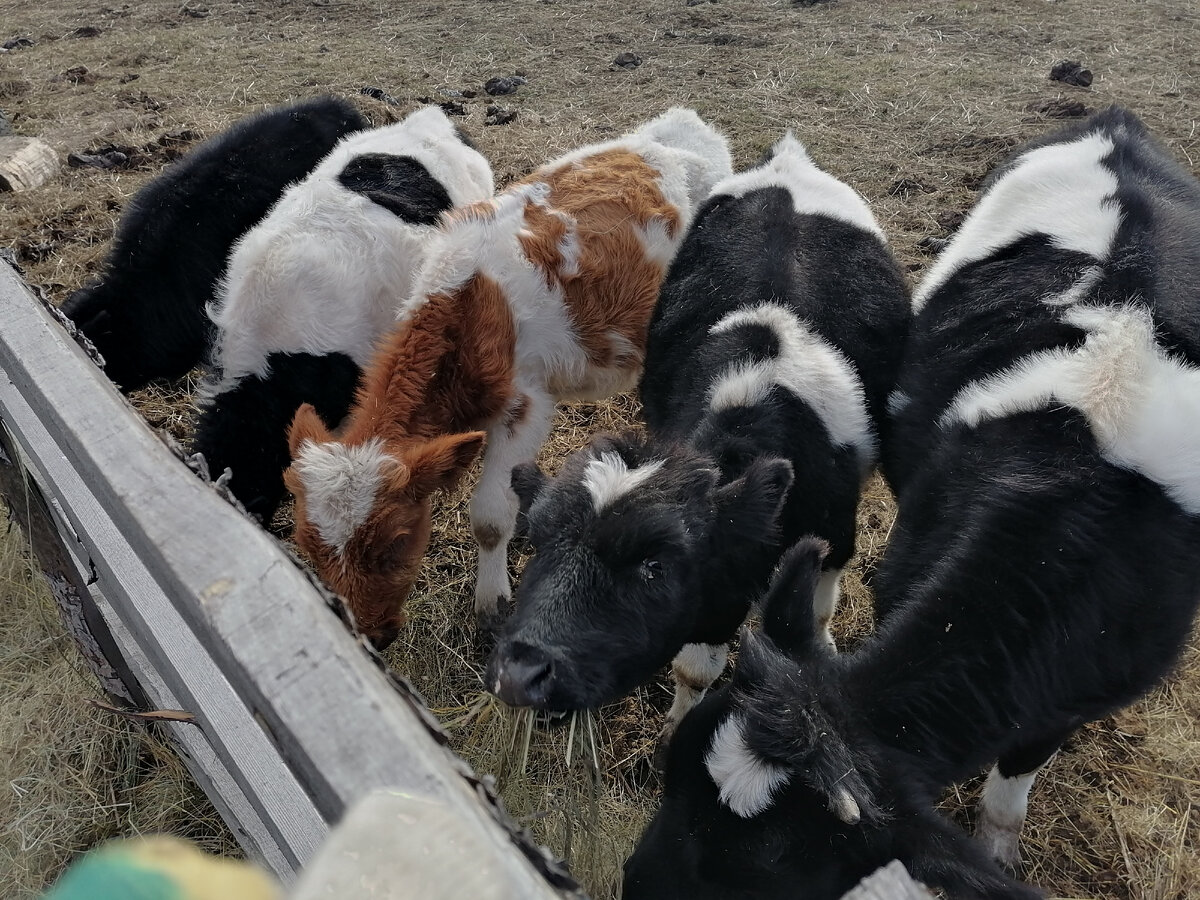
(614,292)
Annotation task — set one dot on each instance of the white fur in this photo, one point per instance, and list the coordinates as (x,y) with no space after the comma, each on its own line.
(746,782)
(825,601)
(808,366)
(1002,808)
(608,478)
(813,192)
(326,269)
(340,482)
(896,402)
(1142,405)
(1061,190)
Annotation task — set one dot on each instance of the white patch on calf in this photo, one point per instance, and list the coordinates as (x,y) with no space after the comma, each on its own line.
(746,782)
(608,478)
(657,242)
(742,384)
(1061,190)
(1142,405)
(340,484)
(813,192)
(808,366)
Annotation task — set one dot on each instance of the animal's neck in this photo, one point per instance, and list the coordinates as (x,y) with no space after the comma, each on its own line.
(446,369)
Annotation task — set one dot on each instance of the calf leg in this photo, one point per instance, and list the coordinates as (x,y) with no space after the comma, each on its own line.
(494,506)
(825,602)
(1006,797)
(694,669)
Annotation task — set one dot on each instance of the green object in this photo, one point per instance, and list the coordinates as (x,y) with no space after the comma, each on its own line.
(111,875)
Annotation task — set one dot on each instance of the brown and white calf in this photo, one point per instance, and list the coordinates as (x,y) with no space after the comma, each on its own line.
(542,294)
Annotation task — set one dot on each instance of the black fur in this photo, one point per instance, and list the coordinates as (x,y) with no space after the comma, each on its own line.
(146,315)
(740,252)
(245,428)
(1029,585)
(400,184)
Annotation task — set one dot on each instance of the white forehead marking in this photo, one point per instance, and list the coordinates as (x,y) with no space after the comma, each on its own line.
(813,192)
(609,478)
(808,366)
(1062,190)
(1142,405)
(340,483)
(746,782)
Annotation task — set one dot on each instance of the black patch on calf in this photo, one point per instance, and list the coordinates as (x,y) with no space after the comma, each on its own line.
(245,428)
(146,315)
(400,184)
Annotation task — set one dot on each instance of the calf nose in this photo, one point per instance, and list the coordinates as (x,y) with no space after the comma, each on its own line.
(383,638)
(521,675)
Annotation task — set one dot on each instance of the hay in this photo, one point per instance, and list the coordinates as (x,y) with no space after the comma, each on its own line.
(911,106)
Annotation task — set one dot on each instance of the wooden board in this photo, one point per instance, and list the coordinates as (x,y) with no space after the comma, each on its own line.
(293,710)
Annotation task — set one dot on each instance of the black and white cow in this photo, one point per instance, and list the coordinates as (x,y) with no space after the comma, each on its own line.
(312,287)
(1042,570)
(146,314)
(771,353)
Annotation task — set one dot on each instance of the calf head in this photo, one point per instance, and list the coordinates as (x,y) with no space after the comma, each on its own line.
(772,791)
(363,512)
(623,538)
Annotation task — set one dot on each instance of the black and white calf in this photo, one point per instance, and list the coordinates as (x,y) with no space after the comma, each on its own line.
(771,353)
(1041,572)
(146,314)
(313,286)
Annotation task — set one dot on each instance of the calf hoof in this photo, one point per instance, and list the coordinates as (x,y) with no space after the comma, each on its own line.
(490,622)
(1002,844)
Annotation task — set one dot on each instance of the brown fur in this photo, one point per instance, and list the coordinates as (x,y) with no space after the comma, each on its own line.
(445,371)
(617,286)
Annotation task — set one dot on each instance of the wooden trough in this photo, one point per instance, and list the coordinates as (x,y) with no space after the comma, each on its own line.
(181,602)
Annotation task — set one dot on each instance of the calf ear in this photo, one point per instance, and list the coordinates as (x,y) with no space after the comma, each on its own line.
(789,724)
(306,426)
(527,483)
(942,855)
(749,507)
(788,607)
(441,463)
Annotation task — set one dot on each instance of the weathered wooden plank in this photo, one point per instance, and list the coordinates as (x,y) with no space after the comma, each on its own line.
(285,828)
(62,574)
(332,714)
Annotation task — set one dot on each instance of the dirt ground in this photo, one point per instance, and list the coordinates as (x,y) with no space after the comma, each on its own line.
(909,105)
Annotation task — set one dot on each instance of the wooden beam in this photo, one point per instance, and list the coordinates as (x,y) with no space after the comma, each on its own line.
(294,707)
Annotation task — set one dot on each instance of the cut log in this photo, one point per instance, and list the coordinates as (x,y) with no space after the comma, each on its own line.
(25,163)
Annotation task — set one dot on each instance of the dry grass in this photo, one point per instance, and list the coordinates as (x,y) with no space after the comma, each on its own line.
(911,106)
(72,775)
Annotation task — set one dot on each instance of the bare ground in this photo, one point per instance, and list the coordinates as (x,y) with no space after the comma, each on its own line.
(909,106)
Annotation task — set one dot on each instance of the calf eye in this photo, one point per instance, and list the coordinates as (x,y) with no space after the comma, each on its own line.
(651,569)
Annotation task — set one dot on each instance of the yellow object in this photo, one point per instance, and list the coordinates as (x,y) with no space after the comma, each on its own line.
(161,868)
